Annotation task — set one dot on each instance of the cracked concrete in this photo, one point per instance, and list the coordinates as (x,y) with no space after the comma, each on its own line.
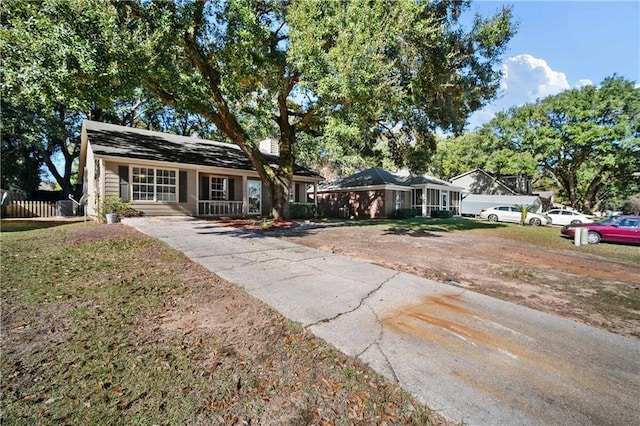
(471,357)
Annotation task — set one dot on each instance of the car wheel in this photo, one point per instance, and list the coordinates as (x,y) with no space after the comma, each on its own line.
(535,221)
(575,222)
(593,237)
(493,218)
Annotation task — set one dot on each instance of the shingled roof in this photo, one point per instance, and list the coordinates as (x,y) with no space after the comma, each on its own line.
(376,176)
(128,142)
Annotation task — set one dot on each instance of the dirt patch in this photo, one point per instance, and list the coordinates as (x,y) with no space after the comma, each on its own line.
(597,291)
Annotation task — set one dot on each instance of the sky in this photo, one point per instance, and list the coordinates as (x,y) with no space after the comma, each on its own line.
(561,45)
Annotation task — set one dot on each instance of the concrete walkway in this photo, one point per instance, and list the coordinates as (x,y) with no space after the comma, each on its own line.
(471,357)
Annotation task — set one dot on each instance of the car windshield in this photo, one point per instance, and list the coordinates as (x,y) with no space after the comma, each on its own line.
(608,221)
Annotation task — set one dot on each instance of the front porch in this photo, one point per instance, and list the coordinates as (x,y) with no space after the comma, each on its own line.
(426,199)
(221,208)
(243,196)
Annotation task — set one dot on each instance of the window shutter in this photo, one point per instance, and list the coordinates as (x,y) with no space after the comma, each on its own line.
(123,173)
(297,197)
(182,191)
(204,188)
(231,195)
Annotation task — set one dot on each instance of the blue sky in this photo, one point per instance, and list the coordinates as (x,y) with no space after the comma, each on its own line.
(563,44)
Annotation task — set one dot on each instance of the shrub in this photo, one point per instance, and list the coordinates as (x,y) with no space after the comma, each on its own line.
(405,213)
(303,211)
(112,205)
(441,214)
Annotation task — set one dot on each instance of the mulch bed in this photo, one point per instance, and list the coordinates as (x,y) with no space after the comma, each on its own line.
(257,225)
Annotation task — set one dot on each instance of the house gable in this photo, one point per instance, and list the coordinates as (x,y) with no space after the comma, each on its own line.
(480,182)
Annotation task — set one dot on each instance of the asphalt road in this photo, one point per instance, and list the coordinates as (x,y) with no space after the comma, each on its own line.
(473,358)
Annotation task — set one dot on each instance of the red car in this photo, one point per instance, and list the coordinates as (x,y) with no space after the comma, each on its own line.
(619,229)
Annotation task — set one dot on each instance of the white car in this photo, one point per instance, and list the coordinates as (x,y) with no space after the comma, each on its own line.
(511,214)
(567,217)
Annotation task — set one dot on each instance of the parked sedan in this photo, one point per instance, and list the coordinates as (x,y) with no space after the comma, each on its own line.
(511,214)
(567,217)
(620,229)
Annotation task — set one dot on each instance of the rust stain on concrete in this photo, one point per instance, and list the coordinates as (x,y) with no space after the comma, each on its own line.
(461,326)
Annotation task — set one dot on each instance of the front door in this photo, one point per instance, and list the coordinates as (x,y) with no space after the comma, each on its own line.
(444,205)
(254,189)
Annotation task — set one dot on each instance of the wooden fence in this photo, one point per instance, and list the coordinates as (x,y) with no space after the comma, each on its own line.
(30,209)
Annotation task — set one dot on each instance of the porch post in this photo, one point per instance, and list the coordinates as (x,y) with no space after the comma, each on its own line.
(315,194)
(245,196)
(198,192)
(424,201)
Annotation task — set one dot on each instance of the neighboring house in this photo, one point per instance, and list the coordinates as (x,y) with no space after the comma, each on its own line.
(480,182)
(482,190)
(164,174)
(378,193)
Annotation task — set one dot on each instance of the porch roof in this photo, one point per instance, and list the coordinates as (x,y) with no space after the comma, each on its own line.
(128,142)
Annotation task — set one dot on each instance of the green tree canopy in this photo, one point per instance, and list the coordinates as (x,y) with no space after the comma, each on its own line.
(349,72)
(587,140)
(58,68)
(20,161)
(362,79)
(62,64)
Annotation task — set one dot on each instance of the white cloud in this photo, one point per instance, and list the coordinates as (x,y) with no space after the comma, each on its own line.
(581,83)
(524,79)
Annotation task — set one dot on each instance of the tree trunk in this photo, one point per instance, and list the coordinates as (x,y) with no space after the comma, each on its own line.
(280,207)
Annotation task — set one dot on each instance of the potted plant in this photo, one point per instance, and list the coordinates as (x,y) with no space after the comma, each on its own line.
(111,209)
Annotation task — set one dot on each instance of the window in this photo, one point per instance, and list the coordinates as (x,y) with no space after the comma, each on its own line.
(165,185)
(432,200)
(628,223)
(218,188)
(399,199)
(154,184)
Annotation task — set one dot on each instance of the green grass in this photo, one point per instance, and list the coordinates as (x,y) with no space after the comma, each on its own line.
(19,225)
(82,342)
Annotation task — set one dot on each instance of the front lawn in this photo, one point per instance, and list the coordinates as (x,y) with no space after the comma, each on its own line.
(102,325)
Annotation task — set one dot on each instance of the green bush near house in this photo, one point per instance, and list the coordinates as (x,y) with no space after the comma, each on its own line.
(441,214)
(113,205)
(303,211)
(405,213)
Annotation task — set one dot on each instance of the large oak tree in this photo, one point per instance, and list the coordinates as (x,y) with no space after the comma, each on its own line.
(586,141)
(352,72)
(62,63)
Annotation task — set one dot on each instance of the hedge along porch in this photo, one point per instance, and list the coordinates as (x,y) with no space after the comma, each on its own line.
(164,174)
(378,193)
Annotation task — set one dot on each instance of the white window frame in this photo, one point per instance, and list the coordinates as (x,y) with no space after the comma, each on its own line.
(224,192)
(154,195)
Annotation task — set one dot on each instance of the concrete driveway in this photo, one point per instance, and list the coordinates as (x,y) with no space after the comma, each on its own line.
(475,359)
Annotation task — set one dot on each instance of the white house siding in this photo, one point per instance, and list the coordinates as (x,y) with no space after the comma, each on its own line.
(89,184)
